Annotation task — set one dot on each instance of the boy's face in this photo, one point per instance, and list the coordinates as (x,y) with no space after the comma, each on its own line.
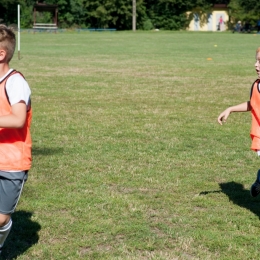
(257,64)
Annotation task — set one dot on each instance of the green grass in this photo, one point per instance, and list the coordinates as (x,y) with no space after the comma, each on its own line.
(128,159)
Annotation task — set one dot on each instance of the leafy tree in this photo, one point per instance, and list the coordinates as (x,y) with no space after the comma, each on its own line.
(243,11)
(171,14)
(114,13)
(250,5)
(5,12)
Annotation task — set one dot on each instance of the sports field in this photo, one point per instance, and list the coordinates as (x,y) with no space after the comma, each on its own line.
(128,159)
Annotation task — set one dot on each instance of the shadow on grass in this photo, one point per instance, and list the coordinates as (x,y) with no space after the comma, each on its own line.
(23,235)
(46,151)
(238,195)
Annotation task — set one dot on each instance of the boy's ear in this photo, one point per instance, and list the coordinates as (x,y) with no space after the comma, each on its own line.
(2,55)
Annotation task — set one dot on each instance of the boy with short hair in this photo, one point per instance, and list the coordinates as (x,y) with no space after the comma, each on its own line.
(252,105)
(15,138)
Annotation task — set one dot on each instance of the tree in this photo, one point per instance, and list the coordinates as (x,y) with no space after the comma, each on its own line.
(114,13)
(250,5)
(243,11)
(171,14)
(5,13)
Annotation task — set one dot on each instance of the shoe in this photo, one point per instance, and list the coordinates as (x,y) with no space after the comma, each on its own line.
(255,188)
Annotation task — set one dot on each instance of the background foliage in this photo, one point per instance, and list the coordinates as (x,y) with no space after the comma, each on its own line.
(162,14)
(244,10)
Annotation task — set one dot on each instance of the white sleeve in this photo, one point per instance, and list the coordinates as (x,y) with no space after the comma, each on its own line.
(17,89)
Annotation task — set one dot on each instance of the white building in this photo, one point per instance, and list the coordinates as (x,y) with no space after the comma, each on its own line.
(216,20)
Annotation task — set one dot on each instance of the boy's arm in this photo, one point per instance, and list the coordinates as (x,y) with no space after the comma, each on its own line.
(244,107)
(17,117)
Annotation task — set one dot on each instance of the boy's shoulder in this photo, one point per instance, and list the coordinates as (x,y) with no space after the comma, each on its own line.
(256,86)
(15,77)
(12,74)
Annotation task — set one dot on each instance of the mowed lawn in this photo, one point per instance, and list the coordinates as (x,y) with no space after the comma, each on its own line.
(128,159)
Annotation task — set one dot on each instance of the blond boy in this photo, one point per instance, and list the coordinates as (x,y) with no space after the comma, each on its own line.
(15,139)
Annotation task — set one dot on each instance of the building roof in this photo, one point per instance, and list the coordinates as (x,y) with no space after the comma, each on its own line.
(45,7)
(220,6)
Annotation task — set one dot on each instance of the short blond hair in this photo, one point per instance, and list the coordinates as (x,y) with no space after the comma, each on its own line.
(258,50)
(7,41)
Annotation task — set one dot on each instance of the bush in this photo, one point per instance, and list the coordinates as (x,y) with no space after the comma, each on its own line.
(147,25)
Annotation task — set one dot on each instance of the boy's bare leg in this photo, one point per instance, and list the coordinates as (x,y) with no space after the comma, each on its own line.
(5,227)
(4,219)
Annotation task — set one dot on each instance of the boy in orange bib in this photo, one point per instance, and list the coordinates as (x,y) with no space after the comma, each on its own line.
(252,105)
(15,138)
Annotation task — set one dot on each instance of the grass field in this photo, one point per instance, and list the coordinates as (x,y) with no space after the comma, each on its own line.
(128,159)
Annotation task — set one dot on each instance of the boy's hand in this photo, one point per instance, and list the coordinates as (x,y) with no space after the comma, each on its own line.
(223,116)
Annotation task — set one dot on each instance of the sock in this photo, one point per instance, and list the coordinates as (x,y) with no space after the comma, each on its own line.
(4,231)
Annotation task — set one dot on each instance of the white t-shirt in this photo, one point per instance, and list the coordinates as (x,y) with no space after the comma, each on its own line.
(17,88)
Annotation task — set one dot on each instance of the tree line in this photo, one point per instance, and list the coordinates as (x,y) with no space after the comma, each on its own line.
(151,14)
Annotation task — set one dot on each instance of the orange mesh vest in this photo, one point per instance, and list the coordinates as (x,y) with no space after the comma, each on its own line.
(15,144)
(255,111)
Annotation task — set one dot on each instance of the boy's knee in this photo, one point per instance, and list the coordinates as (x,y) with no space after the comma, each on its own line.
(4,219)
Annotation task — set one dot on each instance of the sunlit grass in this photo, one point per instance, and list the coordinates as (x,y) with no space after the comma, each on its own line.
(129,162)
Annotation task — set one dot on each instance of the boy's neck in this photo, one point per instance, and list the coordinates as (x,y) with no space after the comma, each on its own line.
(4,68)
